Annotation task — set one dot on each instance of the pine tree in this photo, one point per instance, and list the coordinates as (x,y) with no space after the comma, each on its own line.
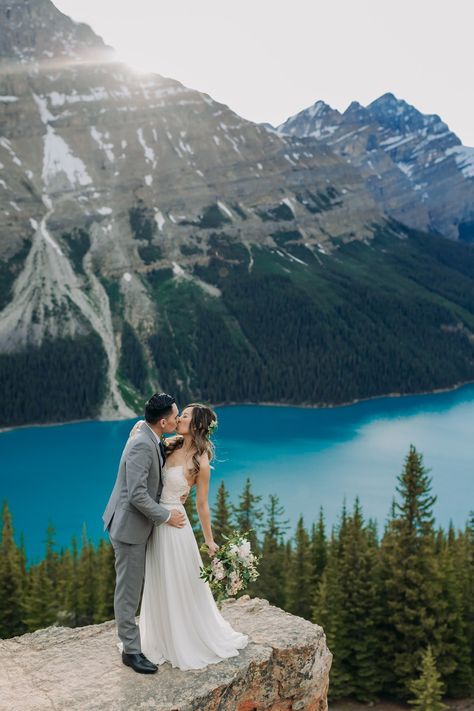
(288,555)
(428,688)
(51,562)
(346,604)
(358,581)
(386,554)
(39,607)
(105,575)
(410,578)
(328,612)
(222,524)
(440,540)
(299,584)
(12,580)
(22,560)
(271,581)
(318,549)
(458,673)
(467,557)
(71,591)
(51,557)
(248,515)
(64,616)
(415,509)
(87,582)
(372,530)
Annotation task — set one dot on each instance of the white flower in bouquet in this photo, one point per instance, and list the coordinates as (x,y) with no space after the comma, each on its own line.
(244,550)
(218,569)
(233,550)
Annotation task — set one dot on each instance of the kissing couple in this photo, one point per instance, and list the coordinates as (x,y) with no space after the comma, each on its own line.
(154,542)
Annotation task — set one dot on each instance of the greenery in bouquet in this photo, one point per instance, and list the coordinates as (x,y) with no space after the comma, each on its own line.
(232,567)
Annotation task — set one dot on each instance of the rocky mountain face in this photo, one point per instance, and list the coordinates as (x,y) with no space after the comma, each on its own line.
(149,231)
(35,30)
(416,169)
(285,666)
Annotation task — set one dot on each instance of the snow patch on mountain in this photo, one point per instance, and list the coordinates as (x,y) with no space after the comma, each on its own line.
(464,157)
(225,209)
(5,143)
(149,152)
(159,219)
(59,159)
(106,147)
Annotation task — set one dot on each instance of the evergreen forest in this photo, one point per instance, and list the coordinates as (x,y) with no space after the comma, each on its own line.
(397,606)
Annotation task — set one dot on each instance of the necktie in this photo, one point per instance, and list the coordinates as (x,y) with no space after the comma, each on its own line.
(162,451)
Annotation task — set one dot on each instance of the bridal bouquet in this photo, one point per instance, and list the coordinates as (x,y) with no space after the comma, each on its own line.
(232,567)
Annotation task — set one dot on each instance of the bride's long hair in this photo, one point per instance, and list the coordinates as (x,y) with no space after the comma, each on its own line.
(203,423)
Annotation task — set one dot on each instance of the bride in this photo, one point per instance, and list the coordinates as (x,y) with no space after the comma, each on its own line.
(179,619)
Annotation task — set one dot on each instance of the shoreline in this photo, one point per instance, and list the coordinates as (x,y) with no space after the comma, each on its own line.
(348,403)
(319,406)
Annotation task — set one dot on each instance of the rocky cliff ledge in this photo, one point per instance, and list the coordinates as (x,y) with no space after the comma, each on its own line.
(284,668)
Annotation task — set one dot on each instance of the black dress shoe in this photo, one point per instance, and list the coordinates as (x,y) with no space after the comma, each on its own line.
(147,661)
(139,663)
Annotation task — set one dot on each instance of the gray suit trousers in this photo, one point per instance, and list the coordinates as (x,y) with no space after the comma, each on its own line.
(130,570)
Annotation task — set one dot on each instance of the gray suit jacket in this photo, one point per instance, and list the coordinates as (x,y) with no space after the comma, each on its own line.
(133,506)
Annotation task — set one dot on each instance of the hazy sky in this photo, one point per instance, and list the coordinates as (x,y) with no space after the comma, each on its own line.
(269,59)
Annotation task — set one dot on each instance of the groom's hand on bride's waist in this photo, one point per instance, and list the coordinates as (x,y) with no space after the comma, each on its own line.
(177,519)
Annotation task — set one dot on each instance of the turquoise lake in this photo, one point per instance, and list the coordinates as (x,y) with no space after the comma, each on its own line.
(307,457)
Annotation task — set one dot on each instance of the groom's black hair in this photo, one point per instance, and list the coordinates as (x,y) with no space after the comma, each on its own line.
(158,406)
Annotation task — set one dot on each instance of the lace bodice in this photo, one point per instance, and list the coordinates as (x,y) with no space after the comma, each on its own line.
(174,484)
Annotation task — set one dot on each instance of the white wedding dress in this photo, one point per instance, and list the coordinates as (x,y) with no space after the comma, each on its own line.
(179,619)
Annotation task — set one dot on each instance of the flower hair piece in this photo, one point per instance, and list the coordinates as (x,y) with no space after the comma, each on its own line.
(212,428)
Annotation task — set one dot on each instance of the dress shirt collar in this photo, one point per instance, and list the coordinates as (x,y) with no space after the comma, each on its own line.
(156,436)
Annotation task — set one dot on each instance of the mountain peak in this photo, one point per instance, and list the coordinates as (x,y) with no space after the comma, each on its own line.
(387,99)
(398,115)
(389,103)
(319,107)
(36,31)
(309,121)
(354,106)
(356,113)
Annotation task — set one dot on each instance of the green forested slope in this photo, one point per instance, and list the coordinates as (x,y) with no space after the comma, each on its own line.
(57,381)
(291,325)
(394,315)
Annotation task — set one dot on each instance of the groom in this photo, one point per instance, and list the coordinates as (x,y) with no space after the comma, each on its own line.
(131,512)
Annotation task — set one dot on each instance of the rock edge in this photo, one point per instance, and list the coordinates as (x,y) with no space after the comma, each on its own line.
(285,667)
